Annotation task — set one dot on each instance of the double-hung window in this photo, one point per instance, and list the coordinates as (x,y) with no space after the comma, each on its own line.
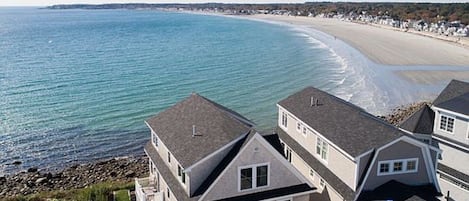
(181,174)
(154,139)
(284,119)
(252,177)
(446,123)
(322,148)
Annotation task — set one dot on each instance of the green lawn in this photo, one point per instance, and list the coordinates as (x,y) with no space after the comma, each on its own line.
(122,195)
(96,192)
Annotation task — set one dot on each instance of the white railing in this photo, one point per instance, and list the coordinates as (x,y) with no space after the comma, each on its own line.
(145,190)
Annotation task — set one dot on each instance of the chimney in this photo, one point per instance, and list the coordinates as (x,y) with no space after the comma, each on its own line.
(312,103)
(193,130)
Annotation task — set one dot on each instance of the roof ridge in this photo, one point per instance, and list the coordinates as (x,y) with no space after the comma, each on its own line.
(226,111)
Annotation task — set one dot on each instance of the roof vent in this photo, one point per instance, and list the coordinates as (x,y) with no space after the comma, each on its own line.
(193,131)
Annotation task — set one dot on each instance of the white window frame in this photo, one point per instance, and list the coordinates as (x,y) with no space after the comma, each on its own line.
(323,147)
(169,158)
(284,120)
(391,166)
(254,176)
(322,183)
(182,174)
(298,126)
(445,129)
(154,138)
(304,131)
(311,173)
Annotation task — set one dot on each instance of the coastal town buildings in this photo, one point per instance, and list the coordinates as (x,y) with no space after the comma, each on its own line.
(323,148)
(445,124)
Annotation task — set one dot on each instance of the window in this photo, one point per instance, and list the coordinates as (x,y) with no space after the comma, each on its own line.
(298,126)
(304,130)
(400,166)
(311,174)
(446,123)
(154,139)
(252,177)
(322,148)
(397,167)
(169,157)
(322,183)
(288,154)
(261,176)
(411,165)
(168,194)
(246,178)
(181,174)
(384,168)
(284,119)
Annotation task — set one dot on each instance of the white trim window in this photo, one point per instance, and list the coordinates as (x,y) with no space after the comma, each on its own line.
(169,157)
(298,126)
(284,119)
(400,166)
(181,175)
(322,183)
(446,123)
(304,130)
(154,139)
(311,174)
(322,148)
(253,176)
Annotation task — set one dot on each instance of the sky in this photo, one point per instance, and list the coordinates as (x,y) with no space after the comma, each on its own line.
(52,2)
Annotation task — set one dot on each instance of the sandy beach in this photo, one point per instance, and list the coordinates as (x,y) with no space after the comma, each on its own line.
(393,48)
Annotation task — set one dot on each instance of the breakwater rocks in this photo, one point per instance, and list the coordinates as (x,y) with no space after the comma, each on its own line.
(77,176)
(401,113)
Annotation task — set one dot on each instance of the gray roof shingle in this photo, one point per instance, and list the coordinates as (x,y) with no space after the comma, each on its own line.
(458,104)
(420,122)
(453,89)
(215,127)
(343,123)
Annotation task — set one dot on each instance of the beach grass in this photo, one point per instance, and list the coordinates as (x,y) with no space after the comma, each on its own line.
(122,195)
(97,192)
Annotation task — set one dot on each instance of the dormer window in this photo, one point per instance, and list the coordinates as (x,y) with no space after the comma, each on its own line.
(253,177)
(446,123)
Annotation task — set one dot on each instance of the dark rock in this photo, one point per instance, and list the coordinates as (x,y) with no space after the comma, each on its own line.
(32,169)
(17,163)
(113,174)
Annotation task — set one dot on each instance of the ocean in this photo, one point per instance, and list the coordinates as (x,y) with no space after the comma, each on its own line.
(77,85)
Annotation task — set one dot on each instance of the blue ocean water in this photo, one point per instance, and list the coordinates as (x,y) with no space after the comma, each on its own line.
(77,85)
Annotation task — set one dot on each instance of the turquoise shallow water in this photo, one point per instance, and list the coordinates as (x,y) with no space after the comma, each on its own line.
(77,85)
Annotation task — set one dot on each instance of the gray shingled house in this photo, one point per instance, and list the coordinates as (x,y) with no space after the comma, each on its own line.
(349,154)
(200,150)
(445,124)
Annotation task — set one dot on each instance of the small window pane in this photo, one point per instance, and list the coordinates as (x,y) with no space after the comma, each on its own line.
(384,168)
(261,178)
(450,125)
(246,178)
(397,166)
(324,150)
(298,126)
(183,178)
(318,146)
(304,130)
(411,165)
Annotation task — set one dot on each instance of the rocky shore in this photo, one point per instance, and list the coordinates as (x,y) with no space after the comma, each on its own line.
(74,177)
(401,113)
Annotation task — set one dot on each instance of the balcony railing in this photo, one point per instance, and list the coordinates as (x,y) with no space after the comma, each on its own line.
(145,190)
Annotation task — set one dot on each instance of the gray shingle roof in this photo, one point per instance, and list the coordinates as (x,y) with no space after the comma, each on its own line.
(346,125)
(345,191)
(458,104)
(453,89)
(215,127)
(420,122)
